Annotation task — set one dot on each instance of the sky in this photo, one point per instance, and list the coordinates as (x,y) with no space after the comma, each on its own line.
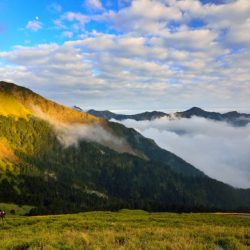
(129,55)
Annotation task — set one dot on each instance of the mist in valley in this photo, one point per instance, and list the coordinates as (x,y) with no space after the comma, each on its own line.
(219,149)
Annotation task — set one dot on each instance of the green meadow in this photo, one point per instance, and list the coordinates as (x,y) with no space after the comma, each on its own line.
(126,229)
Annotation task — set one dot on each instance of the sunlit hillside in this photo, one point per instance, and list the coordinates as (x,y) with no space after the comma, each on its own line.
(10,106)
(8,159)
(20,102)
(6,152)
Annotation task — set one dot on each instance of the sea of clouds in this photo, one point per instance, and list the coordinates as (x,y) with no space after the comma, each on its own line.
(219,149)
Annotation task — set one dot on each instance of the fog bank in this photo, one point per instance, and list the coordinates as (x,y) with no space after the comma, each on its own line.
(217,148)
(71,134)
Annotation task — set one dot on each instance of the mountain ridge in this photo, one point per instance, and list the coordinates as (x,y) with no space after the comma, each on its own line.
(28,100)
(48,110)
(88,175)
(233,117)
(106,114)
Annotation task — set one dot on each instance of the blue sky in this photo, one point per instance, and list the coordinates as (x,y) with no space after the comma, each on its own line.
(129,55)
(16,14)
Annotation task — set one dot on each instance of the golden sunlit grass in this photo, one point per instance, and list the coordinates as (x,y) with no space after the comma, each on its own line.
(126,230)
(6,153)
(9,106)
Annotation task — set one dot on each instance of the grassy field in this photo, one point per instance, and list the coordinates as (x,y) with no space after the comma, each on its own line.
(124,230)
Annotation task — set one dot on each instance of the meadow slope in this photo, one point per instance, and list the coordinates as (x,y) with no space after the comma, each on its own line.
(126,229)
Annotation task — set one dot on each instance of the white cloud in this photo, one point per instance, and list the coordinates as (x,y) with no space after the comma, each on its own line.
(34,25)
(71,16)
(217,148)
(135,67)
(239,34)
(93,4)
(144,16)
(231,17)
(75,21)
(158,60)
(154,17)
(72,134)
(184,38)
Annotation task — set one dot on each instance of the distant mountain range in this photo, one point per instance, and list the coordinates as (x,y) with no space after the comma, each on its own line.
(233,117)
(119,117)
(61,160)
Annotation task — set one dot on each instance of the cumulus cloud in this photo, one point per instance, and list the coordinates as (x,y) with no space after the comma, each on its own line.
(34,25)
(230,18)
(217,148)
(156,55)
(145,16)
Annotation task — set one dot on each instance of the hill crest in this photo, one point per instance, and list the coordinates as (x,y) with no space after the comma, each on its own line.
(19,102)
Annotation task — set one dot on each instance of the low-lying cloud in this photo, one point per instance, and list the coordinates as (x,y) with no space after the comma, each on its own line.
(71,134)
(217,148)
